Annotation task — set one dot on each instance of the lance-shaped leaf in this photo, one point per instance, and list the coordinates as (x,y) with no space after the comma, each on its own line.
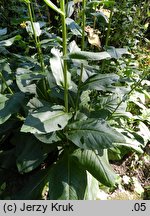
(116,52)
(97,165)
(93,134)
(68,179)
(100,82)
(56,64)
(74,27)
(84,55)
(54,7)
(10,105)
(9,41)
(46,120)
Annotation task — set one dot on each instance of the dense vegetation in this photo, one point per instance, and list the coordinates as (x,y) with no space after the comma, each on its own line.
(74,99)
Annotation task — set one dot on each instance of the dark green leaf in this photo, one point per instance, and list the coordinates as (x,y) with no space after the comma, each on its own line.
(100,82)
(10,106)
(93,134)
(30,152)
(67,181)
(33,188)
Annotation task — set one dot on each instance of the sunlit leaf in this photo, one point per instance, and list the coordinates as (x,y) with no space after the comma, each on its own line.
(46,120)
(10,41)
(97,165)
(74,27)
(56,64)
(84,55)
(54,7)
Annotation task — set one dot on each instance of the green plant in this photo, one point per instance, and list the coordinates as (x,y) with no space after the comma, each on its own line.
(58,131)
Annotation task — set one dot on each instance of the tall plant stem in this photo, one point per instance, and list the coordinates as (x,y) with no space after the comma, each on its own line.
(36,38)
(109,25)
(82,48)
(4,81)
(64,36)
(108,32)
(38,46)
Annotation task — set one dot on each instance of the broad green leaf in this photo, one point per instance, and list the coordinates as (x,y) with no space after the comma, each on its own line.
(54,7)
(30,152)
(25,79)
(48,138)
(97,165)
(100,82)
(67,180)
(94,134)
(111,52)
(93,56)
(133,140)
(32,188)
(9,41)
(110,103)
(74,27)
(10,106)
(92,188)
(46,120)
(101,14)
(56,64)
(116,52)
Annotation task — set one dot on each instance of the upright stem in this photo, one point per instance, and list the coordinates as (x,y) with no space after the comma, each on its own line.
(37,42)
(108,33)
(38,45)
(64,36)
(109,26)
(82,48)
(4,81)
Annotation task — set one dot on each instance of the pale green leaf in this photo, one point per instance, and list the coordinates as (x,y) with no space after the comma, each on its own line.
(46,120)
(93,56)
(97,165)
(9,41)
(54,7)
(56,64)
